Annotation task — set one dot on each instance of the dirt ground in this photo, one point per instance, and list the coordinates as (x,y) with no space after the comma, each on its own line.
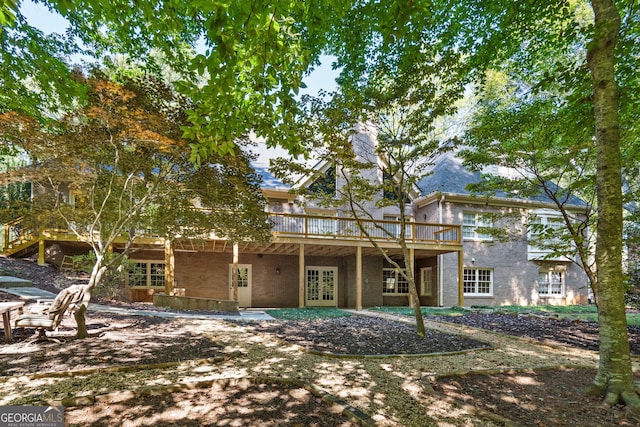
(144,370)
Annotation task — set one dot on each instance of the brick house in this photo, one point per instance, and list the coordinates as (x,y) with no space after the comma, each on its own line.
(318,257)
(498,272)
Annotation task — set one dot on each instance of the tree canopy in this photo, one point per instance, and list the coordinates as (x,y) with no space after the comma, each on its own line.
(255,54)
(118,170)
(241,63)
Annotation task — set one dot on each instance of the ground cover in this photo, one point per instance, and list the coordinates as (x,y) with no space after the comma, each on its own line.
(588,313)
(176,372)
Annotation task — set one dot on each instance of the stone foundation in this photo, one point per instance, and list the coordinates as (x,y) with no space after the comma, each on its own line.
(194,303)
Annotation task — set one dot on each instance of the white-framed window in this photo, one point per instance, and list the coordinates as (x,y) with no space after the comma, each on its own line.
(472,222)
(393,282)
(551,283)
(146,274)
(546,224)
(478,282)
(544,232)
(426,281)
(244,271)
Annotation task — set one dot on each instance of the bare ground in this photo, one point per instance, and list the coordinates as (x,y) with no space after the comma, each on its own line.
(272,373)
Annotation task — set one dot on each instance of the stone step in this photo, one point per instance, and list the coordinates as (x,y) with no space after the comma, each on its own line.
(14,282)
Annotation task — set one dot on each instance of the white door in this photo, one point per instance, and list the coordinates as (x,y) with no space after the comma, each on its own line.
(426,282)
(321,286)
(244,284)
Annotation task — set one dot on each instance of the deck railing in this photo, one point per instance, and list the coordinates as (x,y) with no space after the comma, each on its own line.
(307,226)
(310,226)
(14,234)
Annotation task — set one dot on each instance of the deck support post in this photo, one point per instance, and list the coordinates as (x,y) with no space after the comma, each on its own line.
(234,273)
(169,267)
(410,269)
(301,277)
(41,248)
(359,278)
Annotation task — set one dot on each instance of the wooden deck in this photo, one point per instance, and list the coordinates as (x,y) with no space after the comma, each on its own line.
(333,236)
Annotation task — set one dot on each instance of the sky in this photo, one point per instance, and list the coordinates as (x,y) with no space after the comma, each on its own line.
(40,17)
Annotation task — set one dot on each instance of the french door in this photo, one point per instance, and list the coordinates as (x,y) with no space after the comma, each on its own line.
(321,286)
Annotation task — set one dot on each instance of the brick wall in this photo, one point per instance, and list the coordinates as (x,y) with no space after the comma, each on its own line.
(514,277)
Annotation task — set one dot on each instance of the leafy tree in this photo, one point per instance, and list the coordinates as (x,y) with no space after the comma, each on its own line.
(522,34)
(551,156)
(377,163)
(124,162)
(257,52)
(8,11)
(16,193)
(244,75)
(571,30)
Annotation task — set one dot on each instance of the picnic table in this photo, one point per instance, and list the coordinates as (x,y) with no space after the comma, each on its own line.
(6,308)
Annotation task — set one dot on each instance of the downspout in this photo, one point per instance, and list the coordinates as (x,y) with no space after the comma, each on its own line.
(440,259)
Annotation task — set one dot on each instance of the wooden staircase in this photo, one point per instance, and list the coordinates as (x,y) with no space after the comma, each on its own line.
(18,240)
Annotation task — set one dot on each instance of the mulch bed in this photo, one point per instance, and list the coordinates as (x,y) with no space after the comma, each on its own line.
(360,335)
(541,398)
(548,330)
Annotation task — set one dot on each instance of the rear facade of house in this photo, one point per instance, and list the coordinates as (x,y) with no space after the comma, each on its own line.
(318,257)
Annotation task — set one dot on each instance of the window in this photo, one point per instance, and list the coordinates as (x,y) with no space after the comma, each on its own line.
(545,234)
(393,282)
(471,223)
(478,282)
(551,284)
(391,189)
(146,274)
(243,276)
(325,183)
(546,227)
(426,282)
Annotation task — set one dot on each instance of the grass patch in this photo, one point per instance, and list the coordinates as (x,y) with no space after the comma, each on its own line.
(426,311)
(307,313)
(588,313)
(546,309)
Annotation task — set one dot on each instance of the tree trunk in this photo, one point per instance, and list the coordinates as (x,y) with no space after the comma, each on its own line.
(96,277)
(79,315)
(413,292)
(614,379)
(413,288)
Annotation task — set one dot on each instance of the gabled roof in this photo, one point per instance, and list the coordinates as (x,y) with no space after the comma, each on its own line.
(261,164)
(451,177)
(268,180)
(448,176)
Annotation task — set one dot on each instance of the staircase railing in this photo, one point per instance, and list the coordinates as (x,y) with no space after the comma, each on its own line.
(15,234)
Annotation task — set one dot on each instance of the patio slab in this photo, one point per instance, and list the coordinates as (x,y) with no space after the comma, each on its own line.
(14,282)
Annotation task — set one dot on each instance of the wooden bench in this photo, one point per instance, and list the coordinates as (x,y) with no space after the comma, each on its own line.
(50,318)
